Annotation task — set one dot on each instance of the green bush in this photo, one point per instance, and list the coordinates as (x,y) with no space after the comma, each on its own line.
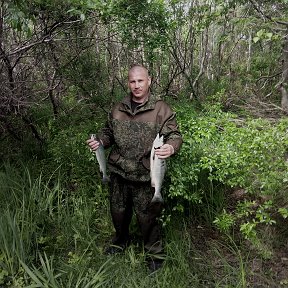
(68,151)
(223,151)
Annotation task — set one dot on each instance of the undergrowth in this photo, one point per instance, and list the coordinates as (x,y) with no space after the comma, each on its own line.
(55,220)
(223,154)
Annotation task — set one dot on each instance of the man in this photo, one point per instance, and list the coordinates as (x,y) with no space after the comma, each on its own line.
(131,128)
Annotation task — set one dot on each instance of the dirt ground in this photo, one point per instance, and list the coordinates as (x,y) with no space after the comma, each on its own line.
(266,268)
(259,272)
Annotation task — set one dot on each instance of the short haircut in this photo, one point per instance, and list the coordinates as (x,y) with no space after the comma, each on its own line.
(138,66)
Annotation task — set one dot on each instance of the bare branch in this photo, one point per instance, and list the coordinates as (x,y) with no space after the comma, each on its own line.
(268,17)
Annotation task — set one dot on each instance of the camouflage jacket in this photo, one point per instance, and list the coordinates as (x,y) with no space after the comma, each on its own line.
(131,135)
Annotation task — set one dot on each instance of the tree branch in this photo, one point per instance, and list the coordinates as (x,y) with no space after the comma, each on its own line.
(268,17)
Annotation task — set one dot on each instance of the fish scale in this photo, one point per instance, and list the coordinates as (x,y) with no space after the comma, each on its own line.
(101,159)
(157,169)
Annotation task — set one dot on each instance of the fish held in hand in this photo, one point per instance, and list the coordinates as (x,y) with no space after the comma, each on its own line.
(157,169)
(101,159)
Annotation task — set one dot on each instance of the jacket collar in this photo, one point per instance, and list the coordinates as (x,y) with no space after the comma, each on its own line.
(149,104)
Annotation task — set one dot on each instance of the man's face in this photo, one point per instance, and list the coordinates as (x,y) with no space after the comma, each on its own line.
(139,83)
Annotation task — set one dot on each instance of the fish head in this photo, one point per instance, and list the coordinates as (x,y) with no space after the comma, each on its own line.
(158,142)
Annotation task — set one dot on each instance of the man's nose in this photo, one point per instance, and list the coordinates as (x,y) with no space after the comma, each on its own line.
(137,85)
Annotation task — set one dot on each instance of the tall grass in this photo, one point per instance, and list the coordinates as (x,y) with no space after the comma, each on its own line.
(39,216)
(53,237)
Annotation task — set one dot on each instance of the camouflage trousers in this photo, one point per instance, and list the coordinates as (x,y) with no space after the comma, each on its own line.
(126,195)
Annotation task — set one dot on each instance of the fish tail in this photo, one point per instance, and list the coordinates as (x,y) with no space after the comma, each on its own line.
(157,198)
(105,179)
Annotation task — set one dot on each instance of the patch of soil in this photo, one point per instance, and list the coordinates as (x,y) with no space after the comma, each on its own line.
(218,254)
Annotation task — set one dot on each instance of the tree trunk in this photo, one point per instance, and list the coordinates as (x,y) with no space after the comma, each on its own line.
(284,84)
(27,120)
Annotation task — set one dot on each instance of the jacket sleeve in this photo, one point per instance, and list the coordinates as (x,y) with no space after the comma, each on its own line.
(170,130)
(106,133)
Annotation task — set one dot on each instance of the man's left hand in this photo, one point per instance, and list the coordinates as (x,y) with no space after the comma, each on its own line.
(164,151)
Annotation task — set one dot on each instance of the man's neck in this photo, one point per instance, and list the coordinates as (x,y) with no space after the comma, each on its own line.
(140,100)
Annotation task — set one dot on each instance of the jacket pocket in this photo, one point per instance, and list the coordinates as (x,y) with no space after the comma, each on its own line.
(146,162)
(113,157)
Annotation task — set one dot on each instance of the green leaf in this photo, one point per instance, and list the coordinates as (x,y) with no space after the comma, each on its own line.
(260,33)
(269,35)
(283,212)
(256,39)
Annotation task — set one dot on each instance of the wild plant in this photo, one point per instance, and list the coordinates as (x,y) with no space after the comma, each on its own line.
(222,153)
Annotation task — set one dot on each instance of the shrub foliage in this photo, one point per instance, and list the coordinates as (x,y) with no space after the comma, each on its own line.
(223,152)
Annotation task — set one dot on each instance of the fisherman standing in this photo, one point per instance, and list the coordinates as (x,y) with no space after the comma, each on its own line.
(131,129)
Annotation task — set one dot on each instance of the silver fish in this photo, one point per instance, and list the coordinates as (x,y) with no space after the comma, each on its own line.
(101,158)
(157,169)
